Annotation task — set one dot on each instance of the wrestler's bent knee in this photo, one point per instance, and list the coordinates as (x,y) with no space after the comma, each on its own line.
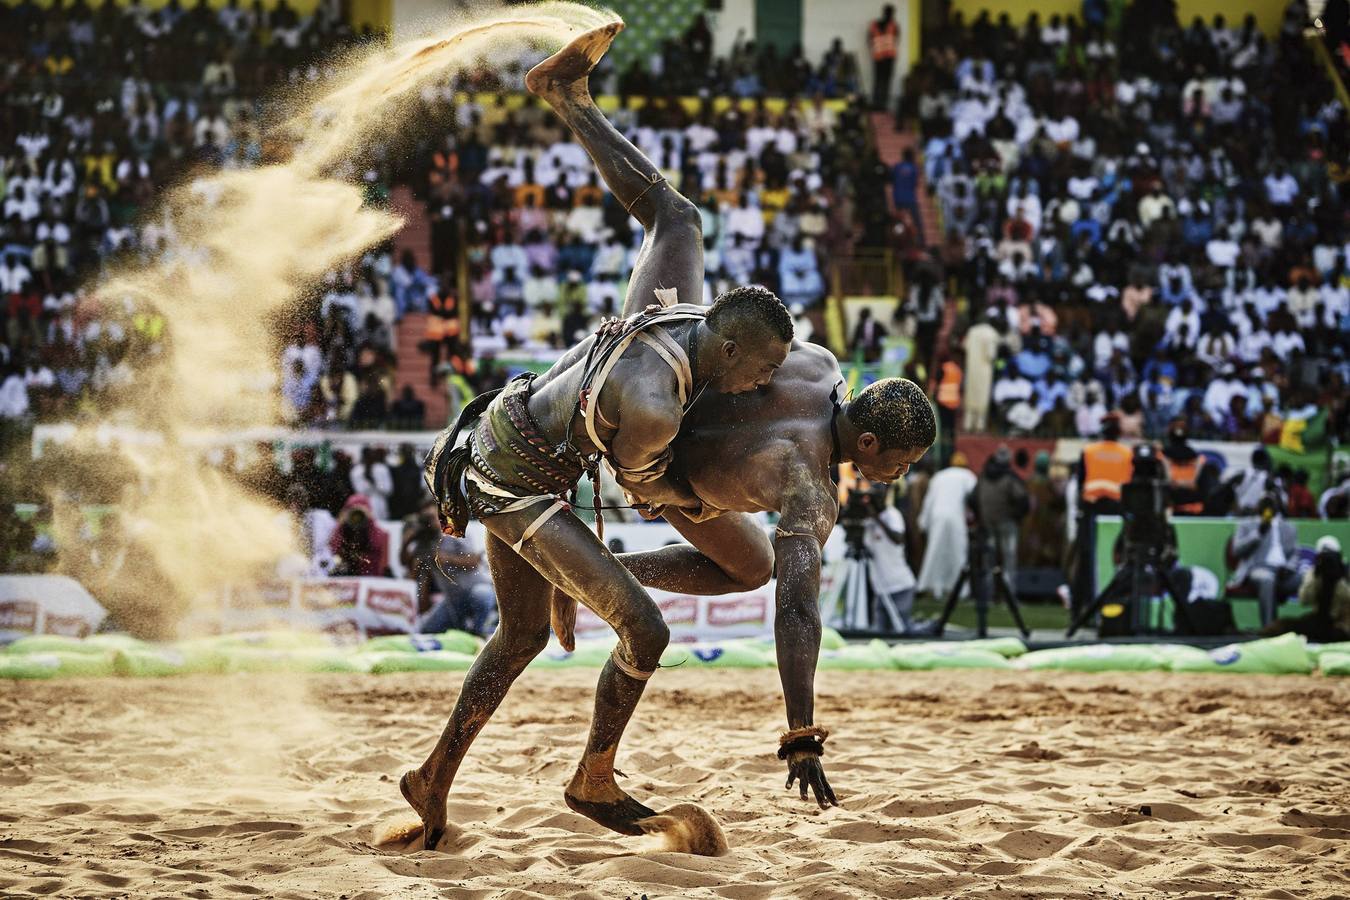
(645,642)
(525,643)
(676,212)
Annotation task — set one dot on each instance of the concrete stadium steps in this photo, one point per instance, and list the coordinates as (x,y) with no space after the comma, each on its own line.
(414,369)
(891,143)
(416,232)
(413,364)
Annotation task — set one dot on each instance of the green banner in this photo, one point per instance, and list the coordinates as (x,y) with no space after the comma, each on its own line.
(1203,542)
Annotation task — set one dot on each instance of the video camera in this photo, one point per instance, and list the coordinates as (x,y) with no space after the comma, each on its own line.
(1143,501)
(860,506)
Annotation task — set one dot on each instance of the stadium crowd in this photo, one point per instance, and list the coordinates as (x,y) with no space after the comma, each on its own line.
(1146,218)
(102,107)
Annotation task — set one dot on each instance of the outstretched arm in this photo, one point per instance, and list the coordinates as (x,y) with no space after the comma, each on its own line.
(808,514)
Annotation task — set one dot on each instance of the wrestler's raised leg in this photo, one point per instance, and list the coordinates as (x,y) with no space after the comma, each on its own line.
(522,598)
(672,248)
(728,553)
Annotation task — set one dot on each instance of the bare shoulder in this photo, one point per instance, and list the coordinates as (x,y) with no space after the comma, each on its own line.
(813,359)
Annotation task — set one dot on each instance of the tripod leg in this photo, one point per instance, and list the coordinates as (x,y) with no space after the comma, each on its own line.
(1180,604)
(1118,583)
(1010,598)
(952,597)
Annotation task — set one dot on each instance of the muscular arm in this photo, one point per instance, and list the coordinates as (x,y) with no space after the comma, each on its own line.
(808,514)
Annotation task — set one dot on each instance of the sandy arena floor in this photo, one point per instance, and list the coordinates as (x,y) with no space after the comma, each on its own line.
(1136,785)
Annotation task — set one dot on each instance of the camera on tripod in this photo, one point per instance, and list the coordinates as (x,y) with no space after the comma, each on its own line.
(1144,501)
(860,507)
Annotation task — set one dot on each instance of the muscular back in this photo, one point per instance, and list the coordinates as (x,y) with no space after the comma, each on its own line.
(743,452)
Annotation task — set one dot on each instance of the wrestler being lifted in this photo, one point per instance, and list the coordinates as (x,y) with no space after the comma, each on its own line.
(619,395)
(774,450)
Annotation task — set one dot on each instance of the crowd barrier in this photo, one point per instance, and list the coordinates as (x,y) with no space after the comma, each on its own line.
(108,655)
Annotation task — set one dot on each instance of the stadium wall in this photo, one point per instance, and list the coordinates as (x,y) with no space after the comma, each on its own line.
(1269,13)
(822,22)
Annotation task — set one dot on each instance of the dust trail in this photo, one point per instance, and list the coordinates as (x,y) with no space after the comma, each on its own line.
(243,248)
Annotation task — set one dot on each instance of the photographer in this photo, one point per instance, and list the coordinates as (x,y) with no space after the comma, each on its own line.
(359,545)
(999,504)
(887,567)
(468,601)
(1265,546)
(1326,589)
(421,541)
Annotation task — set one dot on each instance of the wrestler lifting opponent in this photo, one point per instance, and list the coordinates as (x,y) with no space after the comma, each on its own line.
(621,395)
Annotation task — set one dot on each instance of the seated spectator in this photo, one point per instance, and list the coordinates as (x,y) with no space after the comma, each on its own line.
(1265,548)
(359,545)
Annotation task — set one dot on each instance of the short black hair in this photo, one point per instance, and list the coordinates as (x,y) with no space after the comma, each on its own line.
(898,412)
(748,311)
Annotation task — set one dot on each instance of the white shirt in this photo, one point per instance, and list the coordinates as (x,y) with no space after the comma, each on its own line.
(889,569)
(1281,190)
(13,398)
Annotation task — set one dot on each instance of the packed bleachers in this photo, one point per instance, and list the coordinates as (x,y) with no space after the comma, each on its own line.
(1144,217)
(101,108)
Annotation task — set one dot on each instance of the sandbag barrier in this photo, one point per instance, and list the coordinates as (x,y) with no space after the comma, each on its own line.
(106,655)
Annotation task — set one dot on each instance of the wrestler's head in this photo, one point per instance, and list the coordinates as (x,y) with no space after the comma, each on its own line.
(895,426)
(751,331)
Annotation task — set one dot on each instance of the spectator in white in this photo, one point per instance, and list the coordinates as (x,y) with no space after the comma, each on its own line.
(314,532)
(1111,340)
(1183,325)
(13,393)
(746,220)
(372,478)
(1287,343)
(943,521)
(297,389)
(1222,250)
(21,204)
(211,128)
(1268,229)
(540,288)
(14,275)
(1011,386)
(799,274)
(1090,413)
(586,222)
(1281,187)
(1219,392)
(1302,298)
(1252,483)
(1028,203)
(1215,348)
(887,567)
(1024,416)
(1153,206)
(981,345)
(1266,549)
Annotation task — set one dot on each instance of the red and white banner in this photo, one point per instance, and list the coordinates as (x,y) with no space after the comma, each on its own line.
(691,618)
(345,607)
(46,604)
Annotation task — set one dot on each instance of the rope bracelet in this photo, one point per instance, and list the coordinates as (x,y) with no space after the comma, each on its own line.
(809,739)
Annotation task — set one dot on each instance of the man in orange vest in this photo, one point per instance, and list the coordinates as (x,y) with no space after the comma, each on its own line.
(949,398)
(1105,466)
(883,41)
(1189,476)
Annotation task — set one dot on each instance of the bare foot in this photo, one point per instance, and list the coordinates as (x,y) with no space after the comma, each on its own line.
(563,74)
(603,802)
(431,809)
